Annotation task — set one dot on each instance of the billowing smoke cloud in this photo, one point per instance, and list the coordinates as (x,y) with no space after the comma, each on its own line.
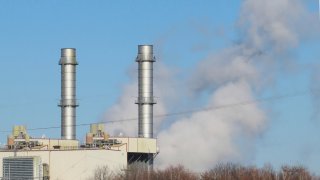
(268,30)
(209,137)
(227,78)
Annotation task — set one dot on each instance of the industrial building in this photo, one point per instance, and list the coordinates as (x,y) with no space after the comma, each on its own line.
(26,157)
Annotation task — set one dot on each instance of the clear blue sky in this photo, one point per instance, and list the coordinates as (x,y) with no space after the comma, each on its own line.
(106,35)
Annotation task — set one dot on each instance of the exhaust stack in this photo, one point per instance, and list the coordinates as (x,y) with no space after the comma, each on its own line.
(145,99)
(68,102)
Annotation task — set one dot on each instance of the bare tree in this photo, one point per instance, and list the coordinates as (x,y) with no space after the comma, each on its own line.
(102,173)
(294,173)
(174,173)
(229,171)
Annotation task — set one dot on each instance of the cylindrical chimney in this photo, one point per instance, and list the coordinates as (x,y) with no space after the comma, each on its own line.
(68,102)
(145,99)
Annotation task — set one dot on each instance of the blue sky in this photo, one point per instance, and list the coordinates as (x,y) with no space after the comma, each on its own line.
(106,35)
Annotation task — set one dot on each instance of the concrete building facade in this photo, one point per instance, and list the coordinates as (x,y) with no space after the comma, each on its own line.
(81,163)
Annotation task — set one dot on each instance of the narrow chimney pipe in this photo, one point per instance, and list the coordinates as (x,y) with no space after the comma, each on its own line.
(145,99)
(68,102)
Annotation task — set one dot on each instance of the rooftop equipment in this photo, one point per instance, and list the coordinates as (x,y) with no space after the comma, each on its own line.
(19,138)
(97,137)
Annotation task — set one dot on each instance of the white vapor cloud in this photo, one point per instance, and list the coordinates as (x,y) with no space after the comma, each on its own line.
(275,24)
(268,29)
(208,137)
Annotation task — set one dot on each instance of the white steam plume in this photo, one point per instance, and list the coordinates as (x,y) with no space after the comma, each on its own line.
(228,78)
(208,137)
(268,30)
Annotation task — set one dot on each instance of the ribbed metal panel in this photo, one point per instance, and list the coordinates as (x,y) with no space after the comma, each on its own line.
(145,99)
(68,102)
(21,168)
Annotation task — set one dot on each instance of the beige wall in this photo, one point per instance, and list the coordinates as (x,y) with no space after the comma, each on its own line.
(81,163)
(75,164)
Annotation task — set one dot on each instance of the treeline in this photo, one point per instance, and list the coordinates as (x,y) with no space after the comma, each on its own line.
(219,172)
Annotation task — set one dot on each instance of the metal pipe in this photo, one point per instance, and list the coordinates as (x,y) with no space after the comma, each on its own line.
(68,102)
(145,99)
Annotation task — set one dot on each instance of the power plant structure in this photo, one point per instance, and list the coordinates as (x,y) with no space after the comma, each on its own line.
(26,157)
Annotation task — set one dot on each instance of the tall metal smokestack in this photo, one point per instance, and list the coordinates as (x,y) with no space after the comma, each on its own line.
(145,99)
(68,102)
